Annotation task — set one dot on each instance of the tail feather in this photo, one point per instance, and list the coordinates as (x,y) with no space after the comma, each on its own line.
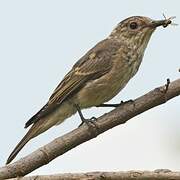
(29,135)
(40,126)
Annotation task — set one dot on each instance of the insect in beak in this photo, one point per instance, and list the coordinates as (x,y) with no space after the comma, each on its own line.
(165,22)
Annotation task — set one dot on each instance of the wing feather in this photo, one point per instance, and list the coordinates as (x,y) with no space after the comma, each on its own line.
(93,65)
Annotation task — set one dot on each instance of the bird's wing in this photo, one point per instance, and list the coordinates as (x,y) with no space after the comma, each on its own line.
(93,65)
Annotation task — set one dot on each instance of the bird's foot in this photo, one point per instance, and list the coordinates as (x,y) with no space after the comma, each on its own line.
(91,123)
(116,105)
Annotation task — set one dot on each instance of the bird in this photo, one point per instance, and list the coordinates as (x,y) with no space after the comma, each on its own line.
(96,77)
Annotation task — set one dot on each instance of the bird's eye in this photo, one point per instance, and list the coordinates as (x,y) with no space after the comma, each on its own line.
(133,25)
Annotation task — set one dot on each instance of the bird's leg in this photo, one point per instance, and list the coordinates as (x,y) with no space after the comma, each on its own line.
(115,105)
(89,122)
(108,105)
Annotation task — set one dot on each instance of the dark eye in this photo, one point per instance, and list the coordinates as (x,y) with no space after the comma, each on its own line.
(133,25)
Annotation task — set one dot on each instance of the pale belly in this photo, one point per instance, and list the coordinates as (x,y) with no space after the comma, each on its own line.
(101,90)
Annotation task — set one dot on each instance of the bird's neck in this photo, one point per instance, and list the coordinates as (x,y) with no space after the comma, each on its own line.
(130,44)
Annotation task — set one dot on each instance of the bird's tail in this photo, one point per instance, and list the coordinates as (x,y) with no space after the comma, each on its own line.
(29,135)
(42,125)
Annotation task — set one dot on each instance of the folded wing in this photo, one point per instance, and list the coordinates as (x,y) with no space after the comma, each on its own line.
(92,65)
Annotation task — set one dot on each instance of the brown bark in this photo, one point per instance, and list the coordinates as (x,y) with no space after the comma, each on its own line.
(162,174)
(82,134)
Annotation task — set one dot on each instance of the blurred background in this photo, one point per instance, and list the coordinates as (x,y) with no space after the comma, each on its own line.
(40,40)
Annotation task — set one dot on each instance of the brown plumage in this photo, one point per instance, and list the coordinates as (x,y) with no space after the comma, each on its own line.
(97,77)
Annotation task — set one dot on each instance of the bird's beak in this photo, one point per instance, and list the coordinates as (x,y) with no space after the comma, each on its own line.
(157,23)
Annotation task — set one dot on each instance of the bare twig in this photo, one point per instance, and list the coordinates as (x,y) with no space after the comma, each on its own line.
(80,135)
(167,85)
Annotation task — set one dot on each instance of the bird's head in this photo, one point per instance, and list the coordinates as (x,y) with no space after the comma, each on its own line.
(137,30)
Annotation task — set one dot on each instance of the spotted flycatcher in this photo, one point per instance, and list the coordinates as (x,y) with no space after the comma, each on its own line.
(97,77)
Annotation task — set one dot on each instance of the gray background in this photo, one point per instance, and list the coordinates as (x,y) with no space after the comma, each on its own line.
(40,40)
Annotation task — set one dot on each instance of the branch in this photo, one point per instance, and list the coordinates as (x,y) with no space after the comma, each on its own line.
(82,134)
(121,175)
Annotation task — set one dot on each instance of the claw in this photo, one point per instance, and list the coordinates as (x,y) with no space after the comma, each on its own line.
(91,123)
